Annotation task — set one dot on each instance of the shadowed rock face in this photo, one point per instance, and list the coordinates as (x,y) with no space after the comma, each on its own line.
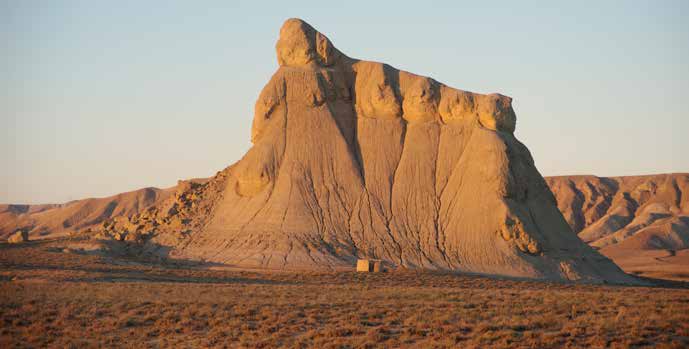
(358,159)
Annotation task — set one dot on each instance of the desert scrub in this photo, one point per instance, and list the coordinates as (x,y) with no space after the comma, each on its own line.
(85,301)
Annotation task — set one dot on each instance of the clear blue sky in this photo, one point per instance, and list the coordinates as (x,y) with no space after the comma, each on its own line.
(100,97)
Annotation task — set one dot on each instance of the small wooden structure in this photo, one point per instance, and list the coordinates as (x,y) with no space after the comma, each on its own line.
(369,265)
(18,236)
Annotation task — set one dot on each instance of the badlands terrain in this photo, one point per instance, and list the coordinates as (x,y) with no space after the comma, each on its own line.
(640,222)
(356,159)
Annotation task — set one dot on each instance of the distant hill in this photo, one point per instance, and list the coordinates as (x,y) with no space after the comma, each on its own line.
(53,220)
(641,222)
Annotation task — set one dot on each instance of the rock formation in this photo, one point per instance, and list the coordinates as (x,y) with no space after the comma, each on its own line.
(354,159)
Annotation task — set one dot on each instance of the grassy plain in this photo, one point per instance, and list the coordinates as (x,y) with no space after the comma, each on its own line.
(55,298)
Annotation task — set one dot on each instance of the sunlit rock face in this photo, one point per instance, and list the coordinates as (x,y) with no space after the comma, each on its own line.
(356,159)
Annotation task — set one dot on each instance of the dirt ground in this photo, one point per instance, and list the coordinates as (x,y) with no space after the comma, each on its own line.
(661,264)
(79,297)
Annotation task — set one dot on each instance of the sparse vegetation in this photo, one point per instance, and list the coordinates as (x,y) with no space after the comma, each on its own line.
(49,298)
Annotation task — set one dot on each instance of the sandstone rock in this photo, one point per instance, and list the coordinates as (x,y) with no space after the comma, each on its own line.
(18,237)
(355,159)
(133,237)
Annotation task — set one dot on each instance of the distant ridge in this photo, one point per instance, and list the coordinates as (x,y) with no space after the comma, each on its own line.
(59,219)
(642,222)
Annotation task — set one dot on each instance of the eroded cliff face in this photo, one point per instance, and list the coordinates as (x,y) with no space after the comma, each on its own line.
(641,222)
(633,213)
(354,159)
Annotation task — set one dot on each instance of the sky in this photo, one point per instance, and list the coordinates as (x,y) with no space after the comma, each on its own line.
(102,97)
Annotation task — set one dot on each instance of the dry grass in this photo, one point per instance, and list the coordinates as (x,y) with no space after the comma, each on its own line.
(54,299)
